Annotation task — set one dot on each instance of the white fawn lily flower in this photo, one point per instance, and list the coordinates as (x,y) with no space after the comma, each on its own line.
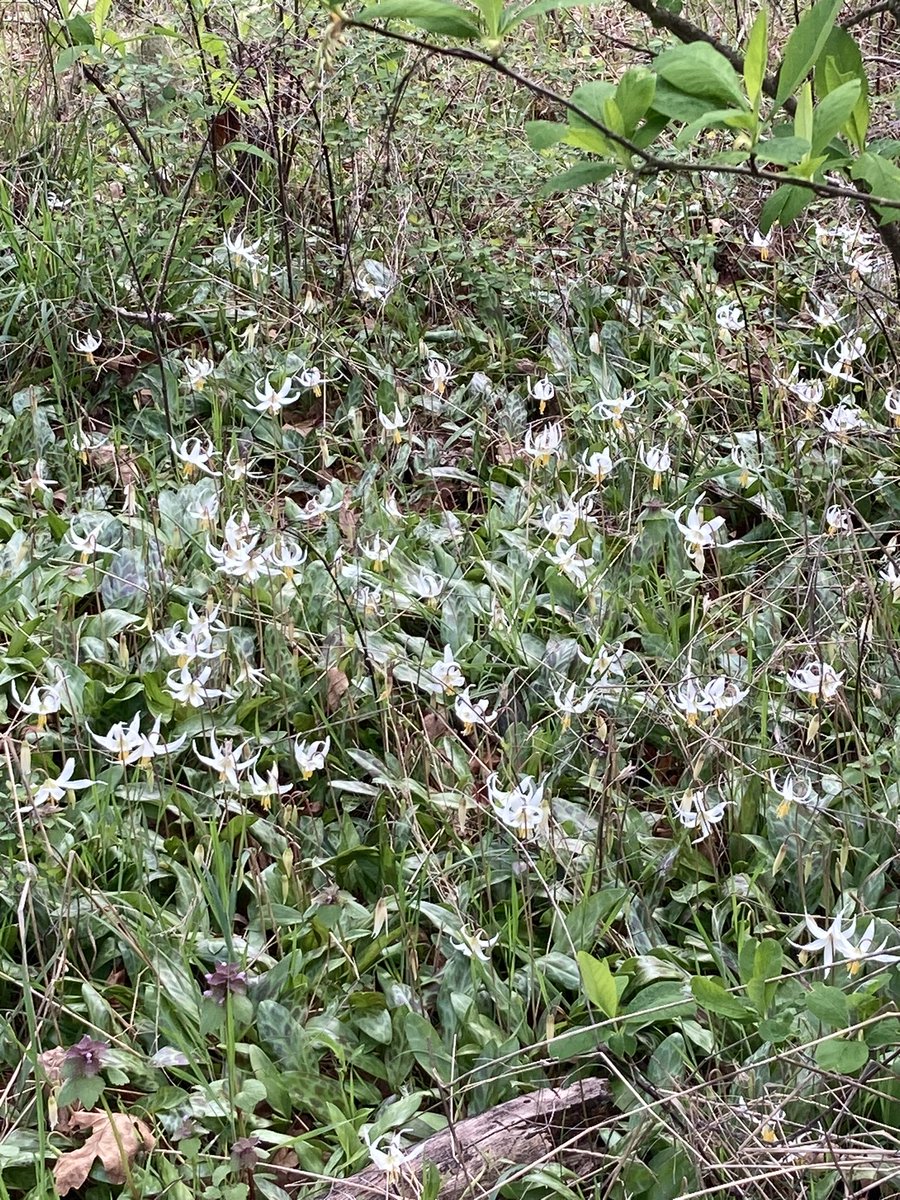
(394,424)
(185,688)
(817,679)
(447,674)
(865,953)
(831,941)
(392,1159)
(739,458)
(698,533)
(286,556)
(238,466)
(265,789)
(722,694)
(88,543)
(614,408)
(195,457)
(426,585)
(892,404)
(471,712)
(240,561)
(761,242)
(690,700)
(121,740)
(694,813)
(656,459)
(243,252)
(569,705)
(826,315)
(439,375)
(796,789)
(270,399)
(598,464)
(606,663)
(542,446)
(843,419)
(51,791)
(524,809)
(198,370)
(890,573)
(204,509)
(837,520)
(837,361)
(475,945)
(729,317)
(184,647)
(311,756)
(810,392)
(570,563)
(88,343)
(151,745)
(41,702)
(561,519)
(228,761)
(248,677)
(543,391)
(378,551)
(311,380)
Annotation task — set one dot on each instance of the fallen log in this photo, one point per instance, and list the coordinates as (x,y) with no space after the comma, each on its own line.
(473,1154)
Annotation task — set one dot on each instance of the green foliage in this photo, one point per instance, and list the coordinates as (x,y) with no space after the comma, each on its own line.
(513,783)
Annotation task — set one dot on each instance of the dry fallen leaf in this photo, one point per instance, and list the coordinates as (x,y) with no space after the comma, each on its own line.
(115,1139)
(52,1061)
(336,685)
(347,520)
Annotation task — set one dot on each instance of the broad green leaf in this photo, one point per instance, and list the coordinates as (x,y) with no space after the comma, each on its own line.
(69,56)
(699,70)
(530,11)
(492,11)
(803,117)
(715,999)
(731,118)
(650,130)
(589,139)
(804,46)
(283,1035)
(880,172)
(658,1004)
(785,203)
(673,102)
(828,1004)
(839,1054)
(756,57)
(667,1065)
(599,985)
(840,61)
(883,177)
(437,16)
(428,1049)
(747,958)
(785,151)
(768,960)
(591,99)
(578,176)
(543,134)
(634,95)
(80,31)
(830,116)
(573,1043)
